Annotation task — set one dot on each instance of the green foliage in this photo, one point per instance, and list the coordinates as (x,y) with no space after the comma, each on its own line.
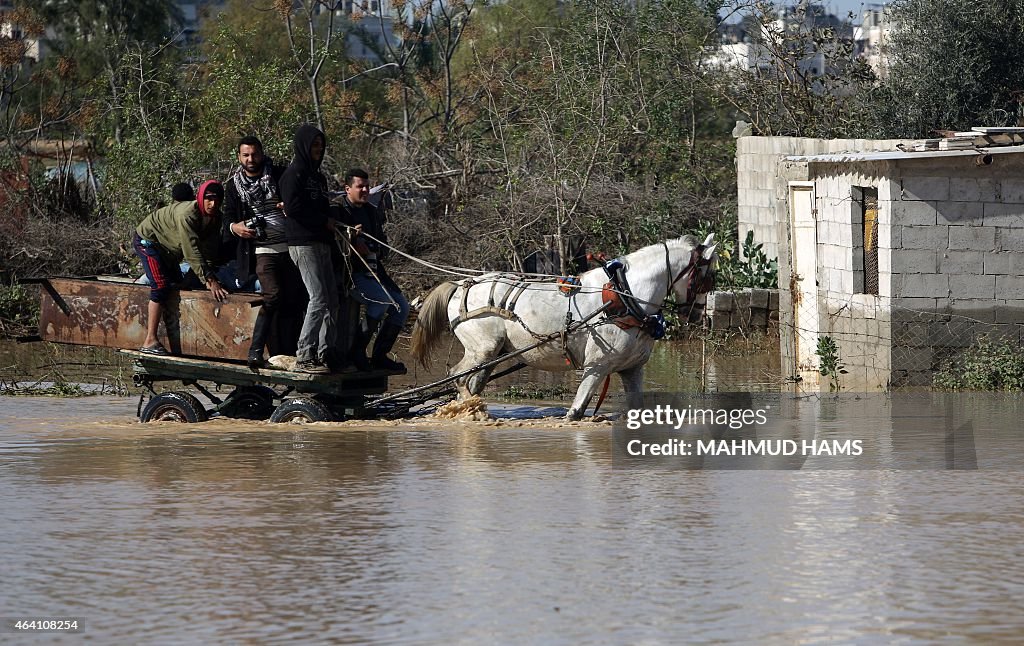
(829,364)
(19,309)
(241,96)
(256,35)
(140,174)
(986,365)
(752,268)
(536,391)
(954,65)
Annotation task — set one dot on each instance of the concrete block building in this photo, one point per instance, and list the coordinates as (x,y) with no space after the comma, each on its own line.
(903,257)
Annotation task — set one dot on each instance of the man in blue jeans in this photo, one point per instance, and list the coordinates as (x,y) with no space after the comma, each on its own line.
(310,234)
(386,307)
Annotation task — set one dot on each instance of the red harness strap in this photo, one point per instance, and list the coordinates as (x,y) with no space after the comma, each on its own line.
(618,309)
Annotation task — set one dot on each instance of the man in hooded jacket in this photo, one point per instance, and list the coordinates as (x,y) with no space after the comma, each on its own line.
(189,231)
(309,230)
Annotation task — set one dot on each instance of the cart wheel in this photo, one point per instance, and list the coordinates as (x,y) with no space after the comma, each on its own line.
(178,406)
(249,402)
(302,410)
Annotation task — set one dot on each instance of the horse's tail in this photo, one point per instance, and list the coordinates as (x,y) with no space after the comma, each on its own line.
(431,322)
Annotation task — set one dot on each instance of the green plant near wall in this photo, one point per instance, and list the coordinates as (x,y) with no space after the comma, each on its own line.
(756,270)
(829,364)
(986,365)
(751,268)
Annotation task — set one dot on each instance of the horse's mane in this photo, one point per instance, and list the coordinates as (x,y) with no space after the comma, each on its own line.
(637,258)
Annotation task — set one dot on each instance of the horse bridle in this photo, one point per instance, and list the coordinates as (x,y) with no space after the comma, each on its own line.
(700,267)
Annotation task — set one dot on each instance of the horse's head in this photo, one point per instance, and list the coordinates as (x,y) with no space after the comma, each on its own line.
(696,279)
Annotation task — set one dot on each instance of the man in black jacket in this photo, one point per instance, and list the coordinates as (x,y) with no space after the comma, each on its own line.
(252,197)
(386,306)
(310,233)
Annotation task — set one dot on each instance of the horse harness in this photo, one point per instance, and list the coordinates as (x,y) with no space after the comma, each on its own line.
(619,305)
(625,310)
(506,304)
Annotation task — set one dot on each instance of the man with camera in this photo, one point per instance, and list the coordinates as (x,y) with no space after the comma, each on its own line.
(253,213)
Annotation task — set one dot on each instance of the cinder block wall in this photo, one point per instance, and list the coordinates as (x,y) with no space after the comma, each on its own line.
(744,310)
(859,323)
(951,252)
(958,259)
(757,165)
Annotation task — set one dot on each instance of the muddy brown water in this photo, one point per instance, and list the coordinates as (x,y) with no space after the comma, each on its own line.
(513,531)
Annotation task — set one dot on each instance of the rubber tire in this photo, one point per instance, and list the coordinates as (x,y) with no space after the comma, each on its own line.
(302,410)
(249,402)
(177,406)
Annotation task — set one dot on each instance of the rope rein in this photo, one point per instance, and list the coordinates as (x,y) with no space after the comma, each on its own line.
(533,280)
(618,284)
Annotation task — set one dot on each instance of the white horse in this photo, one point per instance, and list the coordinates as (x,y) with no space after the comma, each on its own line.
(585,328)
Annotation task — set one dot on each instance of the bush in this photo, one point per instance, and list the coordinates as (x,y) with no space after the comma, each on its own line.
(752,268)
(19,310)
(986,365)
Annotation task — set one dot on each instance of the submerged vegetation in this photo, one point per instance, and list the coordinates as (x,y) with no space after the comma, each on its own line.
(536,391)
(45,369)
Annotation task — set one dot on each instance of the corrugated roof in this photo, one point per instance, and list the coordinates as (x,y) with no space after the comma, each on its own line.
(893,155)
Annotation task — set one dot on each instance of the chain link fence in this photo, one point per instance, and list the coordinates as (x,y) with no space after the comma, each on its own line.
(894,346)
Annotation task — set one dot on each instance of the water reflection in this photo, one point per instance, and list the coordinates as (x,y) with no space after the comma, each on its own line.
(674,366)
(468,533)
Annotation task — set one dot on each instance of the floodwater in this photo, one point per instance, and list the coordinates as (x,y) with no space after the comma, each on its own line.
(513,531)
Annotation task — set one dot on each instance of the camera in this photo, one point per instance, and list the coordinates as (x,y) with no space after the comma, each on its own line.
(257,223)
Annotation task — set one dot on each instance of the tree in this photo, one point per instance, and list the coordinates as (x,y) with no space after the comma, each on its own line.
(98,34)
(805,81)
(312,36)
(245,30)
(954,65)
(26,25)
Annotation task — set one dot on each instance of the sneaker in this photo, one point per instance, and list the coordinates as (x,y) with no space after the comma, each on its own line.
(332,362)
(312,367)
(157,350)
(255,361)
(386,363)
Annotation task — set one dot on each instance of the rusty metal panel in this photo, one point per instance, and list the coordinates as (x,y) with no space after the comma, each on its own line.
(113,315)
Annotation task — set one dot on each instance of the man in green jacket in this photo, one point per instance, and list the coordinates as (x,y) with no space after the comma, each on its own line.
(188,231)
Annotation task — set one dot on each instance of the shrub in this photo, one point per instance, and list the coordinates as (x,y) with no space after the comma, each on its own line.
(986,365)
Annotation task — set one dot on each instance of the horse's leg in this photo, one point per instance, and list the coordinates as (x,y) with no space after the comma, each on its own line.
(592,377)
(633,385)
(477,351)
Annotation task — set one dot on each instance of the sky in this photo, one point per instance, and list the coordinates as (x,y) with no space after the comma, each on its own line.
(842,7)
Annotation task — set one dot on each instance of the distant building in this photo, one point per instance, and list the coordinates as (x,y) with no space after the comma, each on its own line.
(372,28)
(755,46)
(34,48)
(192,14)
(871,37)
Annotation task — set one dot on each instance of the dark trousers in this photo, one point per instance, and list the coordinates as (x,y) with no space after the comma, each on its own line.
(284,301)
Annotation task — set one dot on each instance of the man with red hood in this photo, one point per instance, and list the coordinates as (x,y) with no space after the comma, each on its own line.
(188,231)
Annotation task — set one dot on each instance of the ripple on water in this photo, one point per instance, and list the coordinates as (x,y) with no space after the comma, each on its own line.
(464,532)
